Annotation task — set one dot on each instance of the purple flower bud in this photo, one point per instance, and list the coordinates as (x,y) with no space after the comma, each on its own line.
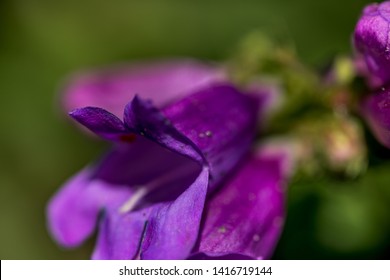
(371,40)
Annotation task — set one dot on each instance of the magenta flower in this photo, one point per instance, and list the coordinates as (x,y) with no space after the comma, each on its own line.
(376,110)
(372,43)
(148,194)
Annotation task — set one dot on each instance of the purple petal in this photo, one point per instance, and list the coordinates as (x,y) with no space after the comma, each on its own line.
(371,39)
(245,217)
(220,121)
(206,125)
(143,161)
(73,211)
(163,81)
(213,127)
(141,116)
(120,236)
(202,256)
(162,231)
(101,122)
(376,110)
(173,227)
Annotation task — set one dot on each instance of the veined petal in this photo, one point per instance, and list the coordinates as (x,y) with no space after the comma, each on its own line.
(376,110)
(121,175)
(245,217)
(163,81)
(214,127)
(207,132)
(221,122)
(171,225)
(142,117)
(74,210)
(120,236)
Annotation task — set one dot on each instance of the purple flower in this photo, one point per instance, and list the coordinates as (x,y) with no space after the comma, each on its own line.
(372,43)
(244,219)
(376,110)
(148,194)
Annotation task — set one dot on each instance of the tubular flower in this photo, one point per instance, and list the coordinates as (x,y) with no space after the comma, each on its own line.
(372,42)
(148,194)
(376,110)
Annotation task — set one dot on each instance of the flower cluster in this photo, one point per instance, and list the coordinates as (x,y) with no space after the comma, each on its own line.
(183,178)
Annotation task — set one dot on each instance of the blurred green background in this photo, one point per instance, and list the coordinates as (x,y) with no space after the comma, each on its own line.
(42,41)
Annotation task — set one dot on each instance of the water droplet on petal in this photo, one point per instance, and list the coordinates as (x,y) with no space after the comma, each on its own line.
(384,104)
(208,133)
(256,237)
(222,229)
